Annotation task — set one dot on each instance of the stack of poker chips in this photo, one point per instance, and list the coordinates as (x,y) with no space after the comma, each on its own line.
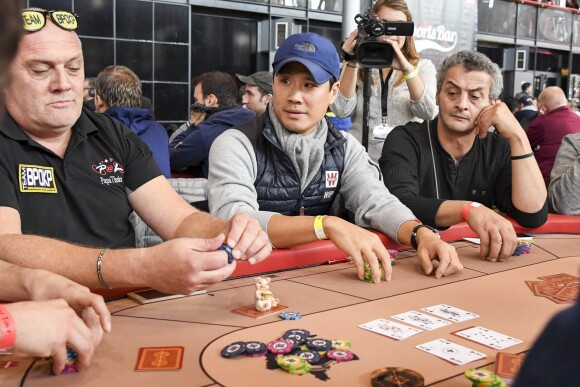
(368,277)
(295,352)
(484,378)
(71,359)
(524,246)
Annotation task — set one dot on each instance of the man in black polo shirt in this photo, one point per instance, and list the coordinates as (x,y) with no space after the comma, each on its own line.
(452,169)
(70,179)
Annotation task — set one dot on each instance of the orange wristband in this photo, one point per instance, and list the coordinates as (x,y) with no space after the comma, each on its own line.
(467,209)
(7,329)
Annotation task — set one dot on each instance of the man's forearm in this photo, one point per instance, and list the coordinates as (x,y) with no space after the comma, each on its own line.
(449,212)
(200,225)
(528,188)
(77,263)
(12,278)
(288,231)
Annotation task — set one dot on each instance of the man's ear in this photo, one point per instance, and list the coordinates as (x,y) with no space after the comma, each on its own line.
(211,100)
(334,92)
(437,99)
(267,98)
(100,105)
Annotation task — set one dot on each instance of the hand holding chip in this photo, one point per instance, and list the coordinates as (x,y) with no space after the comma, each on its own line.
(498,237)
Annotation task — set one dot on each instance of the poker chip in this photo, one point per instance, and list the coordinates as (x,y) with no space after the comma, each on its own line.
(340,355)
(296,339)
(228,250)
(396,377)
(234,349)
(484,378)
(290,315)
(301,332)
(311,357)
(320,345)
(255,349)
(70,362)
(340,344)
(281,346)
(393,254)
(293,364)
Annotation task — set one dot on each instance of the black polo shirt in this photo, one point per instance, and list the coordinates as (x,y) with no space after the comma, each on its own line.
(83,197)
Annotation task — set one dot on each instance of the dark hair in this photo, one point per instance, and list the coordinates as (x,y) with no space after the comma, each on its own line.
(525,86)
(220,84)
(119,86)
(10,32)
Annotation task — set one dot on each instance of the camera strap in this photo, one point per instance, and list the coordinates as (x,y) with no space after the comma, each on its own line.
(384,92)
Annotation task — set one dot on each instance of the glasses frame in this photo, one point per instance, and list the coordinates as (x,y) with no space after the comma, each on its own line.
(49,14)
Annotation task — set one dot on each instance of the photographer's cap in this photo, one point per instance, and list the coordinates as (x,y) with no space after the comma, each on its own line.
(262,79)
(312,50)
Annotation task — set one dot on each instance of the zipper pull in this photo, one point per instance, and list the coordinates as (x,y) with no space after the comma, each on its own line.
(301,210)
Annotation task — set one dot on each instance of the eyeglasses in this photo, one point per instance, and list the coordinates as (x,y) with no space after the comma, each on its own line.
(35,19)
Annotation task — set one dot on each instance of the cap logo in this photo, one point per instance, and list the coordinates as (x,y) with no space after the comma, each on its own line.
(305,46)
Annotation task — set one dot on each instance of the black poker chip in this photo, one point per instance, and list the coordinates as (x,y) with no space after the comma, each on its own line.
(302,332)
(254,348)
(297,338)
(310,356)
(321,345)
(228,250)
(234,349)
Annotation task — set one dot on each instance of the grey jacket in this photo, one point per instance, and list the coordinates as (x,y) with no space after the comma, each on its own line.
(564,188)
(233,172)
(400,107)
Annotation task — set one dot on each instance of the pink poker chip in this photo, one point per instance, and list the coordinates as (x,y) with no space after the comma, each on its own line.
(281,346)
(340,355)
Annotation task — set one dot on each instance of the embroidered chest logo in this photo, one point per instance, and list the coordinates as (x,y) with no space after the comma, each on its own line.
(110,171)
(36,178)
(331,179)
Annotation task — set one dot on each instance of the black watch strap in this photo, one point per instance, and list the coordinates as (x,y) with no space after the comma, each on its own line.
(414,243)
(348,57)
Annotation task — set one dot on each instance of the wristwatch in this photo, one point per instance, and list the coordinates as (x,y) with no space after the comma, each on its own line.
(414,243)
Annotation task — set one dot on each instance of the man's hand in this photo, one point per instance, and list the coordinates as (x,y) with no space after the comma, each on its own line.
(497,235)
(184,265)
(430,247)
(499,115)
(43,285)
(196,118)
(362,245)
(45,329)
(246,238)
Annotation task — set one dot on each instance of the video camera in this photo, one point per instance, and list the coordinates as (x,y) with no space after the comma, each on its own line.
(370,51)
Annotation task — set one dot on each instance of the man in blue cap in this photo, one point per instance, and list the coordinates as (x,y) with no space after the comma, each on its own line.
(292,161)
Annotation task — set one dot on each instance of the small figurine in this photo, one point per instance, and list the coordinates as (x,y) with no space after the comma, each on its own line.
(264,298)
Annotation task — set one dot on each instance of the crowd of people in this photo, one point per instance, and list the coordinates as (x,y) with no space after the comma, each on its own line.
(83,155)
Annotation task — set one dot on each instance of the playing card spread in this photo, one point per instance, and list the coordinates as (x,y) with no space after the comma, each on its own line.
(159,359)
(561,278)
(250,311)
(390,329)
(453,353)
(508,365)
(488,337)
(421,320)
(450,312)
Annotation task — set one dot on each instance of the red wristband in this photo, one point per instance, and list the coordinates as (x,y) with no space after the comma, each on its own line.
(7,329)
(467,209)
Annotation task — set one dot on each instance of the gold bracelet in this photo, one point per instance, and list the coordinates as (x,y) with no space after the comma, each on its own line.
(99,274)
(319,228)
(412,74)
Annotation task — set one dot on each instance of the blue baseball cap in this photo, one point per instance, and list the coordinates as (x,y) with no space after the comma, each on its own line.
(315,52)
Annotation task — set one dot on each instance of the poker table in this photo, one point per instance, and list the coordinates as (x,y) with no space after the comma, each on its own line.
(333,303)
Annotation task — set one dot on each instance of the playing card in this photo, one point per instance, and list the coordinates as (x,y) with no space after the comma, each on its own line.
(454,353)
(421,320)
(507,365)
(488,337)
(561,278)
(159,358)
(390,329)
(450,312)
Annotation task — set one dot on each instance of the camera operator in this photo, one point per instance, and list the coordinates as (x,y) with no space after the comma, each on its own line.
(403,92)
